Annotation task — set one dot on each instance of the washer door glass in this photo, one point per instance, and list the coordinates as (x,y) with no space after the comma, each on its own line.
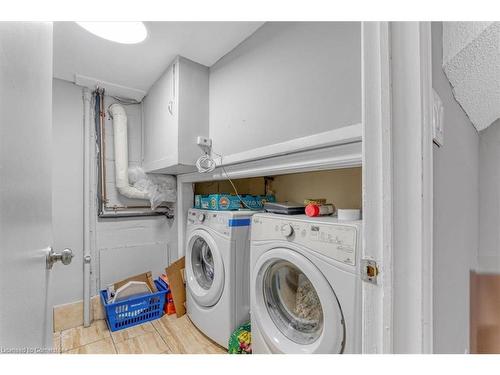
(205,266)
(202,263)
(293,303)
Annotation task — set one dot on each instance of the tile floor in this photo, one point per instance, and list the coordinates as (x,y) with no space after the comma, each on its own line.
(166,335)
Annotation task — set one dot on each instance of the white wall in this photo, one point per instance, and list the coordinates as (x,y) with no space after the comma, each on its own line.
(489,199)
(125,246)
(287,80)
(456,214)
(67,188)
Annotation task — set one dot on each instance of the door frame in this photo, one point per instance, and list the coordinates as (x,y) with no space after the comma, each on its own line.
(398,186)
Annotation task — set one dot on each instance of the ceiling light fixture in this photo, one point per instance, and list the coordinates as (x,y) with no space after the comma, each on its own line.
(119,32)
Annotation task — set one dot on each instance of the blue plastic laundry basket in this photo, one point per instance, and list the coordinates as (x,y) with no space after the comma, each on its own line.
(133,311)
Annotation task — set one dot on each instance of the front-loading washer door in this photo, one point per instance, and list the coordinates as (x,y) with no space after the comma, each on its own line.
(204,268)
(294,306)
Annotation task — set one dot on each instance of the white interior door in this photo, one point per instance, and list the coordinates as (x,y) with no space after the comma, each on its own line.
(25,185)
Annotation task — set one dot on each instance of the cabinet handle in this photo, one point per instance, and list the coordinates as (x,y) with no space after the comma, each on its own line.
(171,102)
(173,81)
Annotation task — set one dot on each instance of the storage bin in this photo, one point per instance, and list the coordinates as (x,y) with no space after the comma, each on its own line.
(133,311)
(202,201)
(161,286)
(224,202)
(257,201)
(231,202)
(249,201)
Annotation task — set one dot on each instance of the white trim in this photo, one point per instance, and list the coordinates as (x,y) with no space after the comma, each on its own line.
(412,174)
(377,185)
(343,135)
(342,156)
(111,88)
(87,205)
(428,186)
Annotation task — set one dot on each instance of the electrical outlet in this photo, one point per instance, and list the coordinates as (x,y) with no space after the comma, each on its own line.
(203,141)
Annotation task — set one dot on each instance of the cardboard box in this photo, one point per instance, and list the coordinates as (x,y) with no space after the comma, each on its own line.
(175,274)
(231,202)
(202,201)
(224,202)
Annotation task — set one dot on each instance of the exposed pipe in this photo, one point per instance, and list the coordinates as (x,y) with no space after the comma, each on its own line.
(105,210)
(102,145)
(86,207)
(119,117)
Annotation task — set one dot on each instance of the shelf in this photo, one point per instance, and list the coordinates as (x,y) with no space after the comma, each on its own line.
(344,135)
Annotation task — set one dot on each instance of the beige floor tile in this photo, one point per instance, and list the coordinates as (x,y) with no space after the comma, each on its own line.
(56,342)
(170,334)
(80,336)
(149,343)
(129,333)
(68,316)
(99,347)
(183,337)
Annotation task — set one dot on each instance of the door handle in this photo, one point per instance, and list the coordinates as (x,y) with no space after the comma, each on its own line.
(52,257)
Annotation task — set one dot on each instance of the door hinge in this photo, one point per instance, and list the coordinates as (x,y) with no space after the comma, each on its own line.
(369,271)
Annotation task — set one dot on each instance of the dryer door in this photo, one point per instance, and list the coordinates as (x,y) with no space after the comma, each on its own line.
(294,306)
(204,268)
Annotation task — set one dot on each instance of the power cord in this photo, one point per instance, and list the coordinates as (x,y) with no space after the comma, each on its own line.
(207,164)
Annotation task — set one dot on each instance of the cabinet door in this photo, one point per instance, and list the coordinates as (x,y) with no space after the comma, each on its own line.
(161,121)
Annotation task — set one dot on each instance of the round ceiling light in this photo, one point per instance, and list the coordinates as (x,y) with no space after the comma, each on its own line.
(119,32)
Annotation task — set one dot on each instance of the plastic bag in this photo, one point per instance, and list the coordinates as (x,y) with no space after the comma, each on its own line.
(240,341)
(160,188)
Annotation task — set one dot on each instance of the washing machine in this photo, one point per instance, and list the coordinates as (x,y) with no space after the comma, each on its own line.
(217,272)
(305,286)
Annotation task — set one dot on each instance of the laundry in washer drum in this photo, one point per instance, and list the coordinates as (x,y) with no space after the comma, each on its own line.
(307,304)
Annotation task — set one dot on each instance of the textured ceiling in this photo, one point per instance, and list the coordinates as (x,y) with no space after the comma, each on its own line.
(138,66)
(471,61)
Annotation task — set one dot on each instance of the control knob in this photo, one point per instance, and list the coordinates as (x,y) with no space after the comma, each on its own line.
(201,218)
(286,230)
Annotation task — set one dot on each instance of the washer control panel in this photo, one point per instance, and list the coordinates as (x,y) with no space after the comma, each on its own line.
(328,237)
(213,220)
(222,222)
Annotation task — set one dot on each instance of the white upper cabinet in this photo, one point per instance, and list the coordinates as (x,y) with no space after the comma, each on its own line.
(175,113)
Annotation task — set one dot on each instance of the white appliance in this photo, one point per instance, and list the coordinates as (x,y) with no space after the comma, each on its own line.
(217,272)
(305,289)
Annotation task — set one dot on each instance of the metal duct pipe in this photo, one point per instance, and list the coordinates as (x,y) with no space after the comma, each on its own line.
(119,117)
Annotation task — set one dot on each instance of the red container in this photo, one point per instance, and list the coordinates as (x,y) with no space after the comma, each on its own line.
(313,210)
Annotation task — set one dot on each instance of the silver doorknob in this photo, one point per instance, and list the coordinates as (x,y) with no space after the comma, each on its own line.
(52,257)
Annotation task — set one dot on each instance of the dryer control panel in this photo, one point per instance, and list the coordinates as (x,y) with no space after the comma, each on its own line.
(326,236)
